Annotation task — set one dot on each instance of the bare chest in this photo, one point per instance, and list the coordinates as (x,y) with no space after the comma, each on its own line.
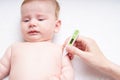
(36,60)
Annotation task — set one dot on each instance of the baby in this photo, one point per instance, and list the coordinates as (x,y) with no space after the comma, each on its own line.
(37,58)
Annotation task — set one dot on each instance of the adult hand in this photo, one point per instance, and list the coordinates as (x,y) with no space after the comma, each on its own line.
(89,52)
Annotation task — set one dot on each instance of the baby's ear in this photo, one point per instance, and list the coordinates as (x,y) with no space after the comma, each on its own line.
(57,26)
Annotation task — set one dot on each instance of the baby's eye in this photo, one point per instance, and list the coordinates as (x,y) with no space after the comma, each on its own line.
(27,20)
(41,19)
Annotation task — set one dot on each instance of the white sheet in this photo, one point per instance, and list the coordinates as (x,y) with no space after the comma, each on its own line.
(98,19)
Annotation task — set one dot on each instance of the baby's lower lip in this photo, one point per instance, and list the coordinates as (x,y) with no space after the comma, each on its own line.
(33,32)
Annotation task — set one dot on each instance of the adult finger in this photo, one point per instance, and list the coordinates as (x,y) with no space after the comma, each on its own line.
(74,50)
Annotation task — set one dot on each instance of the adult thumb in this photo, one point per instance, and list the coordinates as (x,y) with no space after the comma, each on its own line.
(74,50)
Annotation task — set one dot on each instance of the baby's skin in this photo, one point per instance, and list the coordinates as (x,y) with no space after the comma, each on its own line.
(34,61)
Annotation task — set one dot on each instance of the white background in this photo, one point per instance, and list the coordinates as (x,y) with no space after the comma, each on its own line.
(98,19)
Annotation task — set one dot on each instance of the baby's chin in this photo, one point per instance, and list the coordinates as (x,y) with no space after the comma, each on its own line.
(37,40)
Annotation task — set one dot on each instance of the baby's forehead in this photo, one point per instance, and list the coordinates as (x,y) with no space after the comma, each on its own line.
(39,4)
(37,7)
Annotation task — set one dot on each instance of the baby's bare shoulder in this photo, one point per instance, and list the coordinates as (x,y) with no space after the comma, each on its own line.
(17,44)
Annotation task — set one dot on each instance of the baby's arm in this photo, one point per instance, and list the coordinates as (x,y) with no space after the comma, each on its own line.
(67,69)
(5,64)
(67,72)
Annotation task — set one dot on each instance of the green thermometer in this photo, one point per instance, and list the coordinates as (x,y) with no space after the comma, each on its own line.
(71,41)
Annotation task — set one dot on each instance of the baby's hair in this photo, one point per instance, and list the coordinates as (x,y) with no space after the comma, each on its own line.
(57,9)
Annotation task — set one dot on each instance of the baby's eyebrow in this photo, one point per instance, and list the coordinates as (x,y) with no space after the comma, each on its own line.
(41,15)
(25,17)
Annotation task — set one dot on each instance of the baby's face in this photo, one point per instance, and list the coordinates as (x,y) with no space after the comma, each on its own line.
(38,22)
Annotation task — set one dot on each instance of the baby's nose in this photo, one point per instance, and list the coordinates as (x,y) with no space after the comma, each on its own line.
(33,23)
